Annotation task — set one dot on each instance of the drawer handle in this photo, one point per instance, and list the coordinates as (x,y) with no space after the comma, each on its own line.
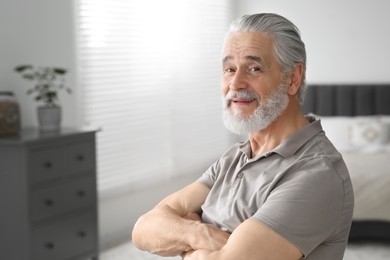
(81,234)
(80,158)
(49,202)
(47,165)
(81,193)
(49,246)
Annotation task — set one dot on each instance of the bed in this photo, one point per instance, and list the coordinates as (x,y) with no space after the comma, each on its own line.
(356,118)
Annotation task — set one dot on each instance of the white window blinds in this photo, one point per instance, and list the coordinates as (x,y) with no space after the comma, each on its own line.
(150,72)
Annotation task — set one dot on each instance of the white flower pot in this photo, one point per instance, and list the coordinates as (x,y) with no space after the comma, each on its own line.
(49,118)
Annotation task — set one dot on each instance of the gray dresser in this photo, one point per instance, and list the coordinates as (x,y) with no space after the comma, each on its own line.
(48,201)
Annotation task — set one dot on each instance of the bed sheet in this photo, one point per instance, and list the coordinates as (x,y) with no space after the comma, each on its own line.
(370,175)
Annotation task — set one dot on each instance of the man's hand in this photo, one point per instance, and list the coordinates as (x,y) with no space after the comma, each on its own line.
(193,216)
(209,237)
(252,240)
(172,227)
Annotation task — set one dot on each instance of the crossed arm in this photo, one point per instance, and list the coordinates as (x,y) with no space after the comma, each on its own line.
(173,228)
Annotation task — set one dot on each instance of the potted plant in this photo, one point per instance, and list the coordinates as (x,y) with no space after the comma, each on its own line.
(47,81)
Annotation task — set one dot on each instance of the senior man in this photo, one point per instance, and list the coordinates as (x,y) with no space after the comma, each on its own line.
(284,193)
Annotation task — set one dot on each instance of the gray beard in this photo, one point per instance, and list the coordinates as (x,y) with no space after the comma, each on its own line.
(266,112)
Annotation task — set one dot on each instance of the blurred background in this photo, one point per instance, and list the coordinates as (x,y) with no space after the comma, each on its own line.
(147,74)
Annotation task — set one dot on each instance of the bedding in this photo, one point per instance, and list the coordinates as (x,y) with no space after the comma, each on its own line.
(370,179)
(356,118)
(366,134)
(364,143)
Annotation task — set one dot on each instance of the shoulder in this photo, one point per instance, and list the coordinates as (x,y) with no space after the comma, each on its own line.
(232,156)
(319,158)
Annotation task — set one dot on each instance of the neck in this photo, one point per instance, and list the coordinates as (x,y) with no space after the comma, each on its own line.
(286,125)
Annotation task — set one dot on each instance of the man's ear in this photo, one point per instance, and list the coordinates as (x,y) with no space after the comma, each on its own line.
(295,79)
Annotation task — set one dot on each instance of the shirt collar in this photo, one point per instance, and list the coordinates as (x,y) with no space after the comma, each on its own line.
(291,145)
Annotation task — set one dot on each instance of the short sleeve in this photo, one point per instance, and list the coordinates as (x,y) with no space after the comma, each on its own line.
(305,205)
(210,176)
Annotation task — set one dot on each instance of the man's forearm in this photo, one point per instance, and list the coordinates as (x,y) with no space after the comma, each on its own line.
(172,227)
(164,232)
(201,254)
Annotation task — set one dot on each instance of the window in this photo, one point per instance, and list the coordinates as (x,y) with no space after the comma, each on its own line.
(150,72)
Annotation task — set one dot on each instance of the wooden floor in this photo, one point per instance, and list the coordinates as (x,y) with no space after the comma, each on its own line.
(127,251)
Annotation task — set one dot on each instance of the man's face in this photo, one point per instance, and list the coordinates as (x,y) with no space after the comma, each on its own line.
(254,95)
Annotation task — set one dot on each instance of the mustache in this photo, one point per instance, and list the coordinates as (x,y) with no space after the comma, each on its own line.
(242,94)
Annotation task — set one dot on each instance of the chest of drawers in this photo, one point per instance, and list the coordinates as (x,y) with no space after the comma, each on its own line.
(48,201)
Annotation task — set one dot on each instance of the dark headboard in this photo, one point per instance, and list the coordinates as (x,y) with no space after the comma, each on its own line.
(353,100)
(347,99)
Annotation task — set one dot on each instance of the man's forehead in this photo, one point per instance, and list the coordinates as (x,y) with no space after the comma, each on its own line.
(248,45)
(255,58)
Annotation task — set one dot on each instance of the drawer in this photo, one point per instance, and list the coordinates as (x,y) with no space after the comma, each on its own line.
(79,157)
(46,164)
(61,198)
(65,239)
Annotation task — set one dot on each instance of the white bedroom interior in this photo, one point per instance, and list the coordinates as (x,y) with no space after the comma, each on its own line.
(347,42)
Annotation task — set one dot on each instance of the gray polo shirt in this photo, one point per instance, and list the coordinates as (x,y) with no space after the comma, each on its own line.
(301,190)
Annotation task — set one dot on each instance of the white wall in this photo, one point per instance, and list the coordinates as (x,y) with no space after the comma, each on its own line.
(347,41)
(41,33)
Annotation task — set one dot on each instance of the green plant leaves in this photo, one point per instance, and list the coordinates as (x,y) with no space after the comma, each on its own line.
(47,82)
(22,68)
(59,71)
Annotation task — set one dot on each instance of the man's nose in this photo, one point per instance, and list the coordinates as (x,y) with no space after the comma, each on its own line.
(238,81)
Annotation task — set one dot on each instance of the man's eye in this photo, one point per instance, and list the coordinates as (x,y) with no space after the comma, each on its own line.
(255,69)
(229,70)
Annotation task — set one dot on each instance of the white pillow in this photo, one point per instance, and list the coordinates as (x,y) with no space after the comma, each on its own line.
(370,179)
(370,134)
(337,130)
(366,134)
